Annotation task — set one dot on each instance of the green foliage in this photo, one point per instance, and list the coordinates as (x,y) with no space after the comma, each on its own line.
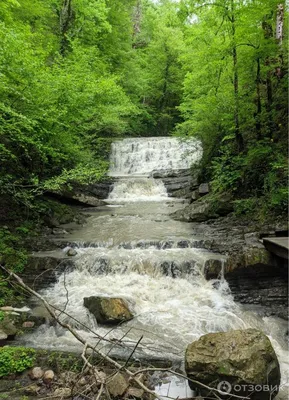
(13,256)
(2,315)
(15,359)
(246,206)
(141,67)
(64,362)
(235,89)
(227,172)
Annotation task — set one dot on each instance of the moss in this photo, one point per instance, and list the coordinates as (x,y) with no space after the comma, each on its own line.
(60,362)
(15,359)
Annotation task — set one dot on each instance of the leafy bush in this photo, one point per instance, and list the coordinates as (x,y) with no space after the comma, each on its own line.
(15,359)
(227,172)
(246,206)
(14,257)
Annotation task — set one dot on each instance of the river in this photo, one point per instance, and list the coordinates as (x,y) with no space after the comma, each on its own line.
(132,249)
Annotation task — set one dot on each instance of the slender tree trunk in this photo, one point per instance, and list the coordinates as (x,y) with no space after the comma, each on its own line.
(66,16)
(137,18)
(238,135)
(280,23)
(163,100)
(268,34)
(259,109)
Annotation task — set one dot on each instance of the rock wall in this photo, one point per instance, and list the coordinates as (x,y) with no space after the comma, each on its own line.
(262,285)
(179,183)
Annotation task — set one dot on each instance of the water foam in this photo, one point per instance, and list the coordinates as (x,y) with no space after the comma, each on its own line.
(141,156)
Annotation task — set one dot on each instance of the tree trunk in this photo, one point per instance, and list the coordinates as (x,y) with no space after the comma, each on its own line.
(66,16)
(238,135)
(137,19)
(259,109)
(280,23)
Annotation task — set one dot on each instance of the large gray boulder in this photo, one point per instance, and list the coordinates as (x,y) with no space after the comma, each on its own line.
(108,310)
(207,207)
(241,362)
(204,188)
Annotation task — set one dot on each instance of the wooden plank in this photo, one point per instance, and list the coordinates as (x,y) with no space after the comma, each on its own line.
(277,245)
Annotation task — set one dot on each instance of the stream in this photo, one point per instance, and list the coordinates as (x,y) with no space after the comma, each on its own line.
(132,249)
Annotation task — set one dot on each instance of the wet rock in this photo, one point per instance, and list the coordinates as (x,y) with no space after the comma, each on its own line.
(204,188)
(249,257)
(213,268)
(108,310)
(135,393)
(36,373)
(170,173)
(101,189)
(63,393)
(28,324)
(3,335)
(46,269)
(82,381)
(7,327)
(48,377)
(59,231)
(241,357)
(6,308)
(71,252)
(118,385)
(195,195)
(89,201)
(100,376)
(68,377)
(205,208)
(32,390)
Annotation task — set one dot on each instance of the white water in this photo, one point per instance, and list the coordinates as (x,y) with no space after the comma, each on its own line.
(138,158)
(141,156)
(138,253)
(138,189)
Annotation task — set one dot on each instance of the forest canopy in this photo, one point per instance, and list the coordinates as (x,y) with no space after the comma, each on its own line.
(74,74)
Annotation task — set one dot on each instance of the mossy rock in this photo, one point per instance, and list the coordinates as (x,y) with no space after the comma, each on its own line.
(243,358)
(108,310)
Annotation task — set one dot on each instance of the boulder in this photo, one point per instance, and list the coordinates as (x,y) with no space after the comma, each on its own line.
(36,373)
(208,207)
(135,393)
(8,329)
(204,188)
(63,393)
(48,377)
(32,390)
(71,252)
(100,190)
(118,385)
(76,198)
(241,362)
(195,195)
(18,321)
(108,310)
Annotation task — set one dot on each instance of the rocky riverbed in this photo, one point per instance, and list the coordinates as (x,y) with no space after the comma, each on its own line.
(178,269)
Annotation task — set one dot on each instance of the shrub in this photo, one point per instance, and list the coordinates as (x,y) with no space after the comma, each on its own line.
(15,359)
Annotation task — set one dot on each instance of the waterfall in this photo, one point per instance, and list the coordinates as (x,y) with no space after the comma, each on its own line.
(134,250)
(132,161)
(141,156)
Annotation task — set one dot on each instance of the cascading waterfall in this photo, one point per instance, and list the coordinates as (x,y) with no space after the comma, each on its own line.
(141,156)
(136,251)
(132,161)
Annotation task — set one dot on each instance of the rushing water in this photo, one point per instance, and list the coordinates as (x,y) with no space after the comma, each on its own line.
(134,250)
